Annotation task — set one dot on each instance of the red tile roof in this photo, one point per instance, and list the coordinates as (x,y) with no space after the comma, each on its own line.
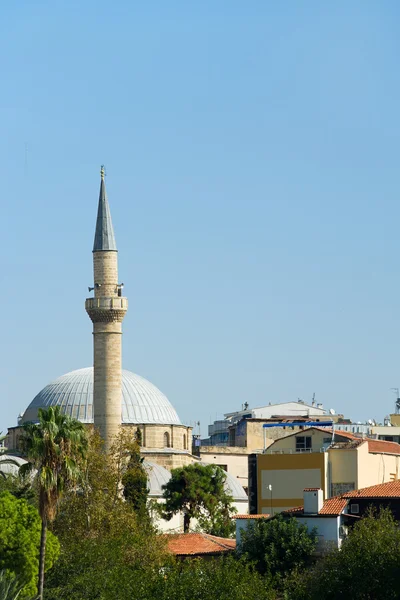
(383,447)
(192,544)
(333,506)
(345,434)
(391,489)
(251,516)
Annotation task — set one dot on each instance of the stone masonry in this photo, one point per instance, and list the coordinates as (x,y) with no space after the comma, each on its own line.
(106,310)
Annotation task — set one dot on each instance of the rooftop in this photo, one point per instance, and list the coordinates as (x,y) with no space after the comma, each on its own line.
(391,489)
(193,544)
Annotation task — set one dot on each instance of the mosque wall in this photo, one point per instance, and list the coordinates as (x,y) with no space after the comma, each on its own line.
(166,436)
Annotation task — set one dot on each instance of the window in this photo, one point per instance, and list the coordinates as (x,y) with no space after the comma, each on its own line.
(355,509)
(166,440)
(184,442)
(303,443)
(326,440)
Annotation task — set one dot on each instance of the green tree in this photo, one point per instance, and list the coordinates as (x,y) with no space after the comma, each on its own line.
(107,548)
(54,447)
(277,546)
(366,567)
(134,479)
(198,491)
(20,533)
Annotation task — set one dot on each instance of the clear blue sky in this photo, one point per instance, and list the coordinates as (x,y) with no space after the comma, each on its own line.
(252,155)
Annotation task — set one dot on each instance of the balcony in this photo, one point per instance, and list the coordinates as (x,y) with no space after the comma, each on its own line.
(106,309)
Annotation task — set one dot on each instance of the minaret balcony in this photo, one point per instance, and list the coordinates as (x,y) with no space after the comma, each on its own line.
(106,309)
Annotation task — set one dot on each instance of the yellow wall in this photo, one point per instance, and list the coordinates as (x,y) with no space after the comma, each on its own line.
(288,443)
(375,468)
(395,420)
(343,470)
(288,474)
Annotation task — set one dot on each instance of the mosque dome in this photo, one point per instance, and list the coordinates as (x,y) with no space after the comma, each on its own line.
(9,465)
(157,476)
(141,401)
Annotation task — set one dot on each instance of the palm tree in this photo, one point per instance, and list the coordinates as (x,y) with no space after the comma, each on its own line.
(55,448)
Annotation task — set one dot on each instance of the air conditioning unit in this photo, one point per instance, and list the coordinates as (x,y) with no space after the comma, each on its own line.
(354,509)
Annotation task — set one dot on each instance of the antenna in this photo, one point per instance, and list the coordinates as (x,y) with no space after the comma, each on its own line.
(397,405)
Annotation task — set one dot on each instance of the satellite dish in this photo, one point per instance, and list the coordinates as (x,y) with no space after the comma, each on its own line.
(332,411)
(370,422)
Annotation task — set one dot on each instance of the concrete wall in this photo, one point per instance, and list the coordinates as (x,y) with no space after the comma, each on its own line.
(232,459)
(288,474)
(375,468)
(289,409)
(343,467)
(288,443)
(327,531)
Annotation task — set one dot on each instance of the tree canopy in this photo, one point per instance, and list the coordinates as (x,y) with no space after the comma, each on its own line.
(367,566)
(198,491)
(20,530)
(54,448)
(277,546)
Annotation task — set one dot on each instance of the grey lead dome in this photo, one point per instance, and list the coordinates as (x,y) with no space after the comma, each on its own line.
(141,402)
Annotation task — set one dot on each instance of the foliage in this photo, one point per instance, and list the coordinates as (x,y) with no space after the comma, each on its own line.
(366,568)
(104,541)
(20,530)
(20,487)
(134,479)
(277,546)
(10,586)
(54,447)
(199,579)
(198,491)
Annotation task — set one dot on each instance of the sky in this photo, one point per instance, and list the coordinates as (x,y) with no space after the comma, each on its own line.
(252,159)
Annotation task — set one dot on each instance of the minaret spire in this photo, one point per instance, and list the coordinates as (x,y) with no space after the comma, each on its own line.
(106,310)
(104,238)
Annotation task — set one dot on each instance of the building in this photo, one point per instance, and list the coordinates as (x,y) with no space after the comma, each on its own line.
(105,394)
(334,517)
(244,427)
(313,459)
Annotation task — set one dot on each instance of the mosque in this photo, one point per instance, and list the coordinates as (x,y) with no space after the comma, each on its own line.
(110,396)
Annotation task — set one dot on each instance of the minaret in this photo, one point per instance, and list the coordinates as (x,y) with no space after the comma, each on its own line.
(106,310)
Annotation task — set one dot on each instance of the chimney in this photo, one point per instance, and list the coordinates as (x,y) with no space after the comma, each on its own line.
(313,500)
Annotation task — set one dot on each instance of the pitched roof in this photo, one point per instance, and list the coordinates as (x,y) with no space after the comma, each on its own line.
(383,447)
(104,238)
(333,507)
(192,544)
(391,489)
(251,517)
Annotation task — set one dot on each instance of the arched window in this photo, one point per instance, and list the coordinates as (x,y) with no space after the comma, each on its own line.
(184,442)
(166,440)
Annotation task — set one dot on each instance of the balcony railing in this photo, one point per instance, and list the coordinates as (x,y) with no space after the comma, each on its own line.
(118,303)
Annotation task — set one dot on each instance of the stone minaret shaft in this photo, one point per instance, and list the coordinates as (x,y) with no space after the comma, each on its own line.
(106,310)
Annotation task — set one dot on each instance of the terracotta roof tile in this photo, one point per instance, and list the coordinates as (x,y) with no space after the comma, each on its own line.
(384,447)
(251,516)
(192,544)
(391,489)
(333,506)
